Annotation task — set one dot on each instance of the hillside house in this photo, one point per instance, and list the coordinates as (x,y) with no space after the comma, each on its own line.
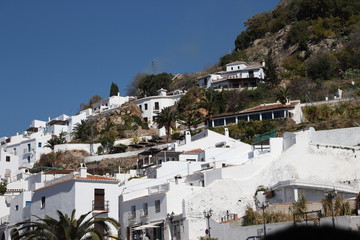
(238,75)
(110,103)
(152,105)
(65,190)
(268,111)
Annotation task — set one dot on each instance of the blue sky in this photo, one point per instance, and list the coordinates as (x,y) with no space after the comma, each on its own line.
(55,55)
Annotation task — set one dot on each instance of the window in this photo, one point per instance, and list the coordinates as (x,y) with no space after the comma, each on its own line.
(29,147)
(156,106)
(145,207)
(157,206)
(145,106)
(99,199)
(16,207)
(28,158)
(140,107)
(27,203)
(145,119)
(39,145)
(230,120)
(218,122)
(43,201)
(133,211)
(254,117)
(8,158)
(191,160)
(251,74)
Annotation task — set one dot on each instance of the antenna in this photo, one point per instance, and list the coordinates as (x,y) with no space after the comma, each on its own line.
(92,140)
(153,67)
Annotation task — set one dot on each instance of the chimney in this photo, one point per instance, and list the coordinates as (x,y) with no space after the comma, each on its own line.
(226,132)
(118,94)
(187,137)
(82,170)
(162,92)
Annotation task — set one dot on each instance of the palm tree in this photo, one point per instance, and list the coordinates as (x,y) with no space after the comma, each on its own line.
(82,131)
(56,140)
(67,228)
(282,94)
(208,101)
(167,118)
(191,118)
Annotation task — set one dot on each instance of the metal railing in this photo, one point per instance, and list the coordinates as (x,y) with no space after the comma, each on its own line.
(100,206)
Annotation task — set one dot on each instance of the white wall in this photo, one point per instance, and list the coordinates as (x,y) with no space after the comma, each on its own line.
(12,165)
(343,137)
(150,112)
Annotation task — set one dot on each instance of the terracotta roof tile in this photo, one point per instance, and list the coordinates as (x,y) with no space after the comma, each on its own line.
(194,151)
(95,177)
(262,107)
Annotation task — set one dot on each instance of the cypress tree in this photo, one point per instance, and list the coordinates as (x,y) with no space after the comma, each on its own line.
(114,89)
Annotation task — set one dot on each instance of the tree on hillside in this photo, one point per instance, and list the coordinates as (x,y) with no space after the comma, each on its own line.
(151,83)
(208,101)
(67,227)
(92,100)
(82,131)
(271,76)
(191,118)
(167,118)
(133,87)
(114,89)
(56,140)
(282,94)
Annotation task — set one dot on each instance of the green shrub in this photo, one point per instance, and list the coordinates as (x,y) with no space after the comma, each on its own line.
(3,188)
(322,65)
(298,34)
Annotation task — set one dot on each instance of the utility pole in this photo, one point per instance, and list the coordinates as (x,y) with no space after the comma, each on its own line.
(207,215)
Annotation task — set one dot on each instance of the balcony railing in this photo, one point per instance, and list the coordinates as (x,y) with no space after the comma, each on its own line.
(100,206)
(143,214)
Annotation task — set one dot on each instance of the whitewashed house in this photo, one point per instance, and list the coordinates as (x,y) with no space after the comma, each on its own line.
(267,111)
(110,103)
(9,165)
(66,124)
(64,190)
(30,145)
(238,75)
(155,211)
(152,105)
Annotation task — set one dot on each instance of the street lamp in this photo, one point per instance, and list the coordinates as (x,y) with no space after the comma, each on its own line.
(262,205)
(331,196)
(207,215)
(170,217)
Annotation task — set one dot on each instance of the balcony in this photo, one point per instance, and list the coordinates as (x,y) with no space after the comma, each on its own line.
(131,218)
(100,206)
(144,215)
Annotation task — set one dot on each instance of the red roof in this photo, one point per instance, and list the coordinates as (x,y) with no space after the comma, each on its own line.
(95,177)
(263,107)
(195,151)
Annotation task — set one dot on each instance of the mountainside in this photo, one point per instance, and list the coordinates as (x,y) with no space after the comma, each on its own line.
(301,33)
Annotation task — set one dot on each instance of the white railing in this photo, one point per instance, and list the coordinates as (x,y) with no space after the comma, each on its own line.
(158,189)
